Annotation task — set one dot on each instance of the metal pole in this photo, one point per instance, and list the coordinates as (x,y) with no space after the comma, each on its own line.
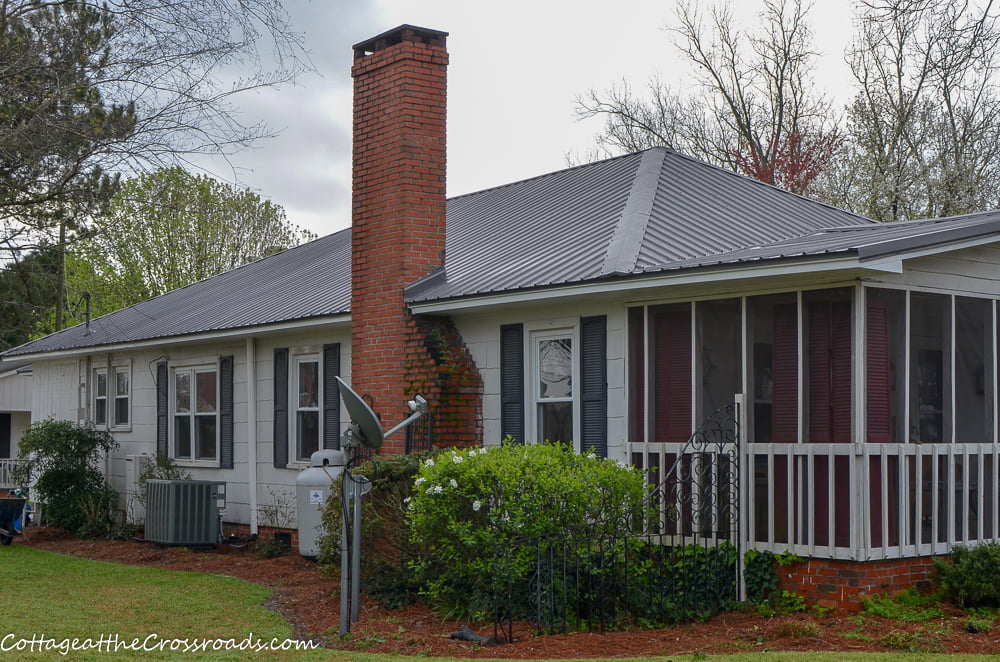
(356,553)
(345,577)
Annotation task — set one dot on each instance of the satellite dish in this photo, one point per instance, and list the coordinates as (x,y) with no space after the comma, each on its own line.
(369,429)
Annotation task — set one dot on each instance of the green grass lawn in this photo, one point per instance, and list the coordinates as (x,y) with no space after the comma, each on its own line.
(60,598)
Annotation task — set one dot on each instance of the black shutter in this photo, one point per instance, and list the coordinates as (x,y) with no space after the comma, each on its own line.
(331,396)
(281,407)
(594,387)
(226,412)
(4,435)
(162,403)
(512,382)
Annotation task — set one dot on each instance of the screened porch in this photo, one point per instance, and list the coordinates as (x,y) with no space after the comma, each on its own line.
(882,448)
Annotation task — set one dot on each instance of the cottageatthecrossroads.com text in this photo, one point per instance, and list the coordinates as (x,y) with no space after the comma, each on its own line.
(112,643)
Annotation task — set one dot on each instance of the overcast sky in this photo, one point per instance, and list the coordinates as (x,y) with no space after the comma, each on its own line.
(515,69)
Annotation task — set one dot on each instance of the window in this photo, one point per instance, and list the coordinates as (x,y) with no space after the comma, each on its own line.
(195,413)
(122,379)
(306,399)
(100,398)
(553,362)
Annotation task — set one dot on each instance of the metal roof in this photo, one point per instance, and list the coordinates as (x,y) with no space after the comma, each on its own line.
(637,214)
(311,280)
(627,215)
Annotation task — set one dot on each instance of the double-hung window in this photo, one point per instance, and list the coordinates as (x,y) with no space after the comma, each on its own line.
(122,379)
(112,392)
(307,418)
(100,397)
(195,400)
(553,363)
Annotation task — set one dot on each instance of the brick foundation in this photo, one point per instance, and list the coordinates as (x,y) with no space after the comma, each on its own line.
(843,584)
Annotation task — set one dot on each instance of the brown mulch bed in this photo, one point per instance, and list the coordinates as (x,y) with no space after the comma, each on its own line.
(308,600)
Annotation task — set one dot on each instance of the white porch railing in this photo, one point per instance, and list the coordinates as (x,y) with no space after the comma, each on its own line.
(6,473)
(851,501)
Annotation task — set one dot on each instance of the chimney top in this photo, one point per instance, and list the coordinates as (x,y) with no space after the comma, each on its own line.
(397,35)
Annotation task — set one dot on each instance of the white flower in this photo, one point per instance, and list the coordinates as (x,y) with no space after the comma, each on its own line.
(476,505)
(420,480)
(622,464)
(406,500)
(454,483)
(591,455)
(429,462)
(457,459)
(437,489)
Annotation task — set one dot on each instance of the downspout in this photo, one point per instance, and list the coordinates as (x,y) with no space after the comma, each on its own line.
(252,430)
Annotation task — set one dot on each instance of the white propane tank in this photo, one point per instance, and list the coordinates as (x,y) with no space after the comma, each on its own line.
(312,488)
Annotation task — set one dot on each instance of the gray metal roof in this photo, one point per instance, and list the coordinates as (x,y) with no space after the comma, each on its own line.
(311,280)
(627,215)
(642,213)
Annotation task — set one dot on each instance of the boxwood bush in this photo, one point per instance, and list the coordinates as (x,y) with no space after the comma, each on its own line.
(468,504)
(972,577)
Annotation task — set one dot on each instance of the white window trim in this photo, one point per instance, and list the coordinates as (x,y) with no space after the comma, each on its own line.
(293,410)
(193,369)
(533,338)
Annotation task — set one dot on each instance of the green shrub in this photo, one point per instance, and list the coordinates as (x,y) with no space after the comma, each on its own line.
(384,530)
(761,576)
(469,504)
(909,606)
(63,459)
(972,578)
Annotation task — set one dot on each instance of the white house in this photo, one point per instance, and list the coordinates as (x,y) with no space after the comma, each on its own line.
(615,305)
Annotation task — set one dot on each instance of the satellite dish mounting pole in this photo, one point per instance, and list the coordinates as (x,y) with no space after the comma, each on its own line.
(363,432)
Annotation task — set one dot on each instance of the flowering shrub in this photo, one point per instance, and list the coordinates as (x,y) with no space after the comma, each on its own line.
(467,503)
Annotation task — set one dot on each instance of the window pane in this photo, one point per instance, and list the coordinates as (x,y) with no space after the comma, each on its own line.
(101,411)
(555,368)
(307,428)
(182,437)
(205,433)
(206,391)
(102,384)
(555,421)
(308,384)
(121,411)
(182,392)
(637,374)
(121,383)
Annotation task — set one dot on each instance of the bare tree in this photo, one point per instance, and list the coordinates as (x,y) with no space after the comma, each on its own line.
(754,110)
(925,125)
(91,90)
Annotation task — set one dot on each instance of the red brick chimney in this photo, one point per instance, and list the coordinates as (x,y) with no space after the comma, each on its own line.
(398,211)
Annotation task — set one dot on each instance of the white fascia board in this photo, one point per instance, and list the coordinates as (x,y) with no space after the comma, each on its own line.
(227,334)
(680,278)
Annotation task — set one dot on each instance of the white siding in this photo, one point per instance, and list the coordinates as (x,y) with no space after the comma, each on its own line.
(481,334)
(969,271)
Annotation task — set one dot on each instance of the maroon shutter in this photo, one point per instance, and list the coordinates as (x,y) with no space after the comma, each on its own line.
(673,376)
(878,398)
(637,374)
(785,374)
(840,372)
(819,373)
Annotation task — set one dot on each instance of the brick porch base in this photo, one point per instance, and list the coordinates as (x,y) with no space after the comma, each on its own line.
(842,584)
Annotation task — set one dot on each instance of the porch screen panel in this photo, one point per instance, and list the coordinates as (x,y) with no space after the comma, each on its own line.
(828,372)
(637,374)
(930,367)
(878,399)
(973,370)
(785,373)
(672,331)
(720,355)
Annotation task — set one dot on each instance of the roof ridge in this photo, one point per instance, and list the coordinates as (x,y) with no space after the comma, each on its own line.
(623,249)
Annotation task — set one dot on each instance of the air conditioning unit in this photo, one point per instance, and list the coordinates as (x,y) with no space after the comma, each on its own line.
(184,512)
